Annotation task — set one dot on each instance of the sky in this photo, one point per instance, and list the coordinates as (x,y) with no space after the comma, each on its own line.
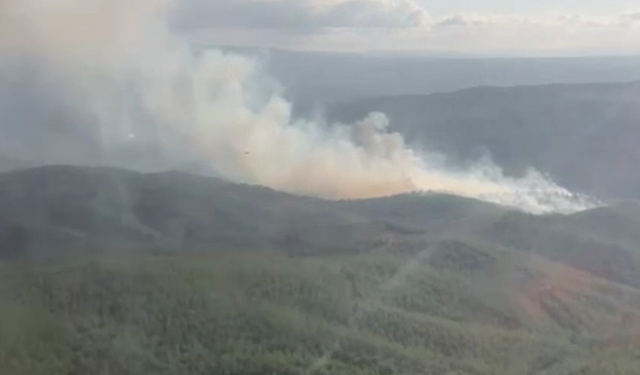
(530,7)
(511,27)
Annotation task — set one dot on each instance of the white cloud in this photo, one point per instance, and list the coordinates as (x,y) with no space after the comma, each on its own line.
(553,34)
(299,15)
(403,25)
(476,20)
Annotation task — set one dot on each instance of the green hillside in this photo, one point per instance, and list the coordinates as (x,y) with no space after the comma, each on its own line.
(460,311)
(107,271)
(66,210)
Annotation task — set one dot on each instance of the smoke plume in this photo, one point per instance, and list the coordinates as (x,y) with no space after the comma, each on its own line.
(107,82)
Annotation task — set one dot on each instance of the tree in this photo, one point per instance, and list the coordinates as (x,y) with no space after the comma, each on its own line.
(14,243)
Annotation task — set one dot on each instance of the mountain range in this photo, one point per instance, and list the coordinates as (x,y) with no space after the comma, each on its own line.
(584,136)
(60,209)
(115,271)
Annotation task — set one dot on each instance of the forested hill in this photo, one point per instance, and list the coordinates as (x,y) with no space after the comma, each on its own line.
(107,271)
(60,212)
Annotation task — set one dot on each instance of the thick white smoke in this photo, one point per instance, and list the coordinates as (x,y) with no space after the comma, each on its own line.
(121,77)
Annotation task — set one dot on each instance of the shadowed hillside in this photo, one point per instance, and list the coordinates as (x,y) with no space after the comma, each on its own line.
(72,210)
(60,212)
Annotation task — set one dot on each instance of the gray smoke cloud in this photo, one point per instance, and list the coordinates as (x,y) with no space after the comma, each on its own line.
(107,82)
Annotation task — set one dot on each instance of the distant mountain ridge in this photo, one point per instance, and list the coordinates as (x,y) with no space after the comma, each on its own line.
(584,136)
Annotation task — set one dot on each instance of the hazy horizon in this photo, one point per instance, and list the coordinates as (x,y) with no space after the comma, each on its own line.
(484,27)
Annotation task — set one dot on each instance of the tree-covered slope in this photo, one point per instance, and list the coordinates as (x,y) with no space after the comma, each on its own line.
(179,273)
(57,213)
(51,209)
(458,309)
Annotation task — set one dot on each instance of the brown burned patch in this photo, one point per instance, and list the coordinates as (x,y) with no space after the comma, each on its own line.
(558,283)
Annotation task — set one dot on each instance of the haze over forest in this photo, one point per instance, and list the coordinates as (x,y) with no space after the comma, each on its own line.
(178,207)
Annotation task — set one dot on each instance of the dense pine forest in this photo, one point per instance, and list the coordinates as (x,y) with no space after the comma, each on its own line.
(230,279)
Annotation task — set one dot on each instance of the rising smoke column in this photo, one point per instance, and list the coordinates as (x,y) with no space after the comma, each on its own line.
(138,92)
